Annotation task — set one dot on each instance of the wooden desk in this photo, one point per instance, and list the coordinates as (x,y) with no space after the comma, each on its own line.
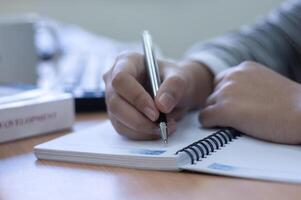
(24,177)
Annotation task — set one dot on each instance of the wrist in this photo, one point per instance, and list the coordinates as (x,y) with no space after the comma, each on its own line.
(201,80)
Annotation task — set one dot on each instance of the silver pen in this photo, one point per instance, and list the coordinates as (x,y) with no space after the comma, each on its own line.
(154,77)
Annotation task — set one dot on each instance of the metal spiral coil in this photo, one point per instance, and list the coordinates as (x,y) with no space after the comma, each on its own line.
(202,148)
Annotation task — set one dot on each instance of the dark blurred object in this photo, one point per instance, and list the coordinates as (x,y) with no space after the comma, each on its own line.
(90,102)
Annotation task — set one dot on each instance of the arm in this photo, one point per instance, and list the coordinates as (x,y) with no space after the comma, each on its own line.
(274,42)
(187,84)
(250,97)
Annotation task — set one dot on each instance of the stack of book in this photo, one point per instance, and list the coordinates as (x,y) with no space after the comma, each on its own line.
(27,112)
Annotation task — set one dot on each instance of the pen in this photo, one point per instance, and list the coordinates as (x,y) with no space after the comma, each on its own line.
(154,77)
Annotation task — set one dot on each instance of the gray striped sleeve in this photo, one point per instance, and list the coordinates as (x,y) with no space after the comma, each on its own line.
(274,41)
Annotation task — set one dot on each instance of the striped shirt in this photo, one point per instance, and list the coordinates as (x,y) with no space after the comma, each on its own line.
(274,41)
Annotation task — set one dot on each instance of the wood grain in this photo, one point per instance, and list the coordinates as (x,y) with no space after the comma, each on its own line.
(22,176)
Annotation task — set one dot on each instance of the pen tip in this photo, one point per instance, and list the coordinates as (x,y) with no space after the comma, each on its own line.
(164,132)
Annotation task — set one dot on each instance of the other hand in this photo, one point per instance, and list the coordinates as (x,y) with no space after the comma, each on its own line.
(257,101)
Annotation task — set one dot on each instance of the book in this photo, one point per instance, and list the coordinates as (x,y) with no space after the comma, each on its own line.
(222,152)
(26,112)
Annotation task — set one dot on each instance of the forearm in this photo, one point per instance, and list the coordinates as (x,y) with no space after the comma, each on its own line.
(274,42)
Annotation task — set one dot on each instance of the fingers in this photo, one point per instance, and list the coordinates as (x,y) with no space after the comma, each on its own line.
(233,73)
(126,78)
(131,108)
(128,115)
(131,63)
(219,105)
(222,77)
(212,116)
(171,91)
(219,93)
(130,133)
(134,93)
(211,100)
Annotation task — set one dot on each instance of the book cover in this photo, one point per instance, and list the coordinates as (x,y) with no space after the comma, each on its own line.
(29,112)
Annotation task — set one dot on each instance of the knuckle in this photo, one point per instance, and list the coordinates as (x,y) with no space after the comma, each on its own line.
(223,93)
(235,75)
(105,76)
(118,79)
(134,55)
(128,55)
(177,85)
(140,100)
(248,66)
(178,81)
(224,107)
(227,88)
(205,119)
(112,103)
(247,63)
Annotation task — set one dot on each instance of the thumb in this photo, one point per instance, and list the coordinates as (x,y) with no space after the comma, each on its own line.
(171,91)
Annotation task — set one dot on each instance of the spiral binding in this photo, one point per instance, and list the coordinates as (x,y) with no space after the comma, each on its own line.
(207,145)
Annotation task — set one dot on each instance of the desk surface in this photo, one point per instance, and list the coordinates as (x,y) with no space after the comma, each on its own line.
(22,176)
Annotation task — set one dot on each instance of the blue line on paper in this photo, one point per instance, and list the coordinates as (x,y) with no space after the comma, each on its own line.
(147,152)
(222,167)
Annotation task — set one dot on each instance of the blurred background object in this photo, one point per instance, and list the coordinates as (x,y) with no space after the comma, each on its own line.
(175,24)
(71,44)
(56,56)
(74,60)
(18,58)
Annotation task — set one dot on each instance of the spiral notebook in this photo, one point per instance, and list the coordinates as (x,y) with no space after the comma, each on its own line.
(221,152)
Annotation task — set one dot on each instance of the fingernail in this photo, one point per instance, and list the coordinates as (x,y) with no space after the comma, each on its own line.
(150,113)
(167,101)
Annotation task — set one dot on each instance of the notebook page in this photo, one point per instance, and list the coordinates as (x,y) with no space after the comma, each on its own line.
(103,140)
(252,158)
